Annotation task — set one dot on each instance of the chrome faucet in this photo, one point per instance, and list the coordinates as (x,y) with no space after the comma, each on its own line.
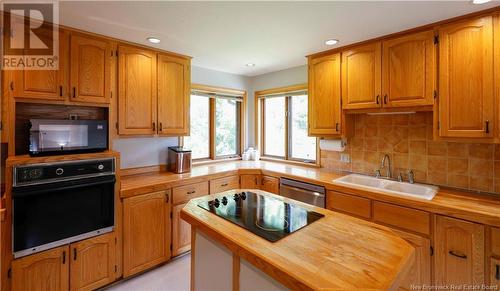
(411,177)
(382,165)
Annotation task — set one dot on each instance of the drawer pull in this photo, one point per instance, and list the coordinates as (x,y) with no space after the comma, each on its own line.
(191,192)
(462,256)
(74,254)
(223,185)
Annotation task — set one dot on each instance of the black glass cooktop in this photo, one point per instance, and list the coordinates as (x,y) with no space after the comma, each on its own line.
(265,216)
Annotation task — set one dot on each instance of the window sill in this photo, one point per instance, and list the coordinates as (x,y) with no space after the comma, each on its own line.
(310,165)
(208,162)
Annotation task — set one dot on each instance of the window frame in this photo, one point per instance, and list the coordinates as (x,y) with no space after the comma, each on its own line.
(241,124)
(260,125)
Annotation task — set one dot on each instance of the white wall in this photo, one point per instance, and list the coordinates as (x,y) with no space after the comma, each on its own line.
(149,151)
(288,77)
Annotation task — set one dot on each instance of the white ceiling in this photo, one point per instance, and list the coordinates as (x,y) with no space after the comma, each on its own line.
(225,36)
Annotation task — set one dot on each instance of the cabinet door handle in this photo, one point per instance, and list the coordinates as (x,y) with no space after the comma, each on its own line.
(60,91)
(487,129)
(74,254)
(462,256)
(160,128)
(385,99)
(378,99)
(64,257)
(74,92)
(256,181)
(337,127)
(497,271)
(154,126)
(167,198)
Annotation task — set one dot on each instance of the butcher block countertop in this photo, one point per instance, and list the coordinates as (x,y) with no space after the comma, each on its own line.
(460,204)
(336,252)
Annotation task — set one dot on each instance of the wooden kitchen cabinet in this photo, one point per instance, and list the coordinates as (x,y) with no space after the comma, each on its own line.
(224,184)
(409,70)
(459,252)
(350,204)
(420,273)
(45,271)
(361,77)
(146,231)
(137,93)
(181,238)
(90,69)
(494,272)
(466,87)
(325,110)
(270,184)
(44,84)
(174,85)
(93,262)
(250,181)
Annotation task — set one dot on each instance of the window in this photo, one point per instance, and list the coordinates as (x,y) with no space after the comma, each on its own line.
(216,123)
(282,125)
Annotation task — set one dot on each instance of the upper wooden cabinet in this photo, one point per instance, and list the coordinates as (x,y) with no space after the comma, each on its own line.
(466,87)
(146,231)
(361,70)
(409,70)
(325,112)
(45,271)
(137,94)
(459,251)
(174,83)
(93,262)
(90,69)
(44,84)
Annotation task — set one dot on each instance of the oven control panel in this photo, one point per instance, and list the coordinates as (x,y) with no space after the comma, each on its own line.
(50,172)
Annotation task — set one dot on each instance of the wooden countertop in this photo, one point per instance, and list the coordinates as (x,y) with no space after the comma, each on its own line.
(461,204)
(336,252)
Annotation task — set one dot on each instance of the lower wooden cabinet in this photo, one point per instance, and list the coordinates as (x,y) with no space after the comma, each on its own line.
(93,262)
(85,265)
(224,184)
(459,247)
(45,271)
(495,273)
(181,232)
(146,231)
(249,181)
(350,204)
(270,184)
(420,273)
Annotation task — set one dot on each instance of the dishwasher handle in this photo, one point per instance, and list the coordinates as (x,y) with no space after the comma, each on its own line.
(302,185)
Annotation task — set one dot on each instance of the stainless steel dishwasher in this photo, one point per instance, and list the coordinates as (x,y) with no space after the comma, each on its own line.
(304,192)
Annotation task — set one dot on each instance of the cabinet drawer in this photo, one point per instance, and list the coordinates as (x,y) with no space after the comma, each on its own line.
(224,184)
(402,217)
(354,205)
(495,241)
(183,194)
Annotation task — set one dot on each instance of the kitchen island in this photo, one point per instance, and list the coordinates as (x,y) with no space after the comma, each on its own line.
(335,252)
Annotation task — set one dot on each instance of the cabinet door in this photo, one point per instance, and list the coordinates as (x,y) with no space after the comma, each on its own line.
(92,262)
(90,69)
(181,238)
(270,184)
(420,273)
(137,94)
(45,271)
(459,252)
(495,273)
(324,96)
(146,231)
(174,84)
(45,84)
(361,83)
(249,181)
(466,101)
(409,70)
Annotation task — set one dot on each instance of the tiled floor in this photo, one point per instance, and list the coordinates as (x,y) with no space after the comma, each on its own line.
(174,276)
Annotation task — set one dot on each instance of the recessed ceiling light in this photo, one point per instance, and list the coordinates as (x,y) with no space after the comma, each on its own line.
(334,41)
(153,40)
(250,65)
(480,1)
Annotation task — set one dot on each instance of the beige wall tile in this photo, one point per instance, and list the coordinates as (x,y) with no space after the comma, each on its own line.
(436,148)
(418,147)
(437,164)
(458,166)
(458,150)
(483,168)
(481,151)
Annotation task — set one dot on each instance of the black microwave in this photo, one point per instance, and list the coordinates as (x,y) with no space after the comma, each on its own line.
(52,137)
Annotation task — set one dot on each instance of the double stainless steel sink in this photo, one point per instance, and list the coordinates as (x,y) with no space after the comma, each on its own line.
(419,191)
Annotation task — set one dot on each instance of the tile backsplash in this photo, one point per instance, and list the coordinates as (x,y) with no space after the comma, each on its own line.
(407,139)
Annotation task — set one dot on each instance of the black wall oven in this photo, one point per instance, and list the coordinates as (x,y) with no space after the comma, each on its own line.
(59,203)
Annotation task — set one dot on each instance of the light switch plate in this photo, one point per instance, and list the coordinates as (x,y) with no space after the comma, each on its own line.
(345,158)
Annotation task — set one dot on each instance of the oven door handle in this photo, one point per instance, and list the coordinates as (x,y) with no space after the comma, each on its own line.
(25,191)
